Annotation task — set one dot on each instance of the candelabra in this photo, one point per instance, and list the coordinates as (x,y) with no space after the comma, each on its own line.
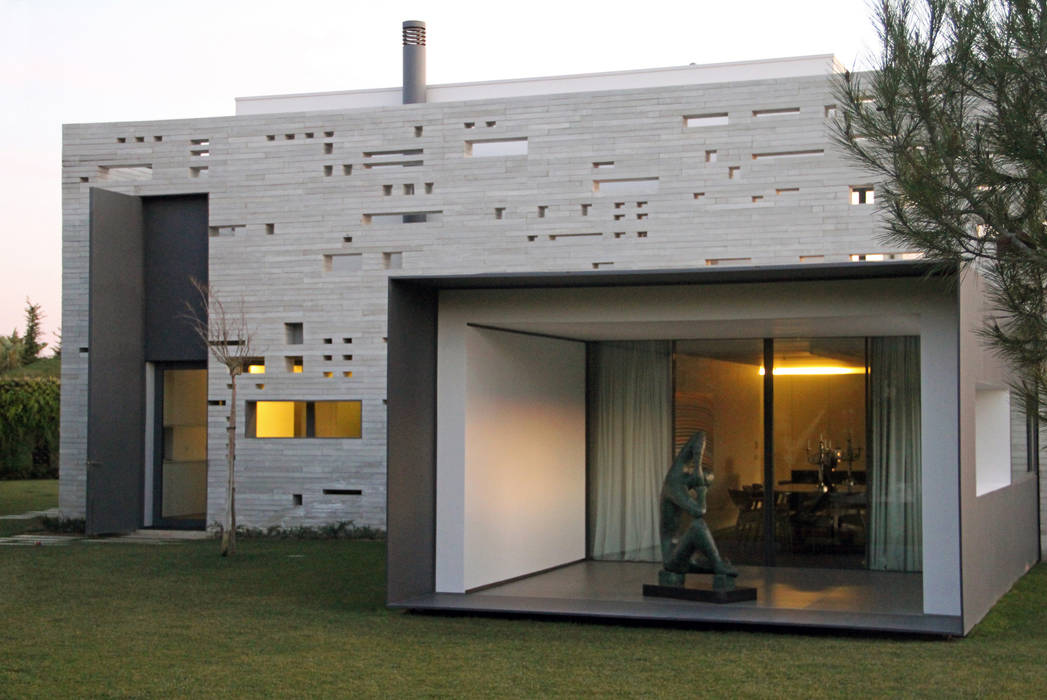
(827,459)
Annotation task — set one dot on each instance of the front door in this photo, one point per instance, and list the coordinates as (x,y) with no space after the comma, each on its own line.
(180,455)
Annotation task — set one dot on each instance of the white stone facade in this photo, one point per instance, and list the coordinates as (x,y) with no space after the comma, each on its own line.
(613,179)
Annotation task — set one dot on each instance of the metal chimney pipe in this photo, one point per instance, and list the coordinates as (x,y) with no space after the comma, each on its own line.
(414,62)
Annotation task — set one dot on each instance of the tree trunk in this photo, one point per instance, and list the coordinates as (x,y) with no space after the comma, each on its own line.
(229,527)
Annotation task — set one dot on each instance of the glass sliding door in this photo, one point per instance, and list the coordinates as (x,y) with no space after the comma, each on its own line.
(719,391)
(820,452)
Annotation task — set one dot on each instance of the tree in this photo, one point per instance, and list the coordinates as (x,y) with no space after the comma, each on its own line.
(953,122)
(31,345)
(11,350)
(229,339)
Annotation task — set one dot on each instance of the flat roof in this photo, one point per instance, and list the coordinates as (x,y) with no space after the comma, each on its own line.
(701,275)
(694,74)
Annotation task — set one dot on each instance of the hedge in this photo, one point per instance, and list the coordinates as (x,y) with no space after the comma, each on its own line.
(29,427)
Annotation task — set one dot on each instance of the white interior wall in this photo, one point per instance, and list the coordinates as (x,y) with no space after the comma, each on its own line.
(922,307)
(524,455)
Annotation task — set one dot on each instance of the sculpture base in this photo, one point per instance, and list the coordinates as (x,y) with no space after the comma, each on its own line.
(701,595)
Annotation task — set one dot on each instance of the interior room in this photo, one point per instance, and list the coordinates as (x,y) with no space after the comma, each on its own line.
(843,531)
(825,402)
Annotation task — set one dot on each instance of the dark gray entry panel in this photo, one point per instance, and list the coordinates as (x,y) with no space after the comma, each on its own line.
(411,456)
(175,254)
(116,364)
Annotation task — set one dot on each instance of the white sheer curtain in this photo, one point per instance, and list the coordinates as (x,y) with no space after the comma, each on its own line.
(629,449)
(895,522)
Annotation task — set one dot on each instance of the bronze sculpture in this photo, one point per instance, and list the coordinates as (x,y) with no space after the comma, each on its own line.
(676,500)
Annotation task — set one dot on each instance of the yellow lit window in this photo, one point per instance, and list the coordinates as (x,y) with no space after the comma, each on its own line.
(254,365)
(300,419)
(337,419)
(277,419)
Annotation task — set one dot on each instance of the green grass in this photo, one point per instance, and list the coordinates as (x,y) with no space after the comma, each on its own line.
(23,495)
(291,618)
(44,367)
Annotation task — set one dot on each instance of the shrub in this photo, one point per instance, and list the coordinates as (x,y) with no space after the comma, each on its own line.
(63,525)
(342,530)
(29,427)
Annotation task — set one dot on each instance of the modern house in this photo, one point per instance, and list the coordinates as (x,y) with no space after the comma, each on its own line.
(487,315)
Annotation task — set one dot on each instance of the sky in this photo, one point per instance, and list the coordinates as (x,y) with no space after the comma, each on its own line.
(74,61)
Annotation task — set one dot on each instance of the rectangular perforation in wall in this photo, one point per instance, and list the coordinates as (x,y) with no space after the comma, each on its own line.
(776,112)
(401,217)
(487,148)
(392,260)
(403,158)
(343,262)
(634,185)
(294,333)
(703,120)
(788,154)
(727,261)
(129,172)
(555,236)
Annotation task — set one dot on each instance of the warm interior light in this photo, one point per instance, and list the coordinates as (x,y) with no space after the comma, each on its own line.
(814,370)
(256,369)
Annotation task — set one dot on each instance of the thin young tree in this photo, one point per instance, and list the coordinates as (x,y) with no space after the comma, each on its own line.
(228,337)
(953,125)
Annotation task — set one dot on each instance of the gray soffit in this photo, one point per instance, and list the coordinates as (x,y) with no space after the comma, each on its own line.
(704,275)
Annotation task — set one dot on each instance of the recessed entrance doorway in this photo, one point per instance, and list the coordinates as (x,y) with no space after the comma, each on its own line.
(180,447)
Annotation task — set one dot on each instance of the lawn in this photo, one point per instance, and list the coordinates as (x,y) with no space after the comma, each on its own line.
(23,495)
(305,619)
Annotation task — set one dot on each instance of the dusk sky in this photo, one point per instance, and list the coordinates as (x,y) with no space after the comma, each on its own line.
(69,61)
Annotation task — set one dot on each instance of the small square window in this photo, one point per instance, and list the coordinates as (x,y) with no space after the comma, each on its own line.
(863,194)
